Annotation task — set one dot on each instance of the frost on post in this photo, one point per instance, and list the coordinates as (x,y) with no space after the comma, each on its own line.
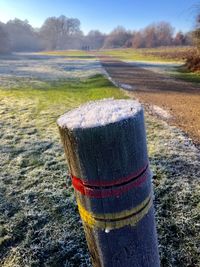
(105,146)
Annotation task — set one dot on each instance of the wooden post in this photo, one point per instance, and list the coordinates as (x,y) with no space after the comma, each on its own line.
(105,147)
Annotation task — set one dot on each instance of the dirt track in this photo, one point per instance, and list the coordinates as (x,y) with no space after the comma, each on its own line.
(181,99)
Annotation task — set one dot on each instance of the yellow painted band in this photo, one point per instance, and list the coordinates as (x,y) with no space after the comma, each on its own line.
(119,219)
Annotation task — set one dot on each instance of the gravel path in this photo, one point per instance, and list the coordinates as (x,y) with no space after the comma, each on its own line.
(153,87)
(157,67)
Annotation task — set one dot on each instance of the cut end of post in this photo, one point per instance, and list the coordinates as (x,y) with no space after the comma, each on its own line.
(99,113)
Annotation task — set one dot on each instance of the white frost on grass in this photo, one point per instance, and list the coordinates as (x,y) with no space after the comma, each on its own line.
(19,67)
(126,86)
(161,112)
(157,67)
(99,113)
(35,206)
(118,84)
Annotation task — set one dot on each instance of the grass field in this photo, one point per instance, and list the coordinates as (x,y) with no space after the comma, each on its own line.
(162,54)
(183,74)
(56,97)
(77,53)
(71,54)
(39,221)
(152,55)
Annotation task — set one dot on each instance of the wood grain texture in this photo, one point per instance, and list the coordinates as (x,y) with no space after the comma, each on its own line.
(104,155)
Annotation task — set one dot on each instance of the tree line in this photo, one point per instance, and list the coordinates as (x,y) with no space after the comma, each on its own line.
(59,33)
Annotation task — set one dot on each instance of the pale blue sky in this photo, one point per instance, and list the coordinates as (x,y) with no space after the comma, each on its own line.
(104,14)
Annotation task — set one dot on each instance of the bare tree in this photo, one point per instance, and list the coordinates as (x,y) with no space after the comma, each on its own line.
(157,34)
(64,33)
(4,40)
(95,39)
(58,33)
(22,35)
(179,39)
(117,38)
(196,32)
(150,36)
(138,40)
(188,38)
(164,33)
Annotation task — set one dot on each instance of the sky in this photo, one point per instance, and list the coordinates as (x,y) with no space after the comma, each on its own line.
(104,15)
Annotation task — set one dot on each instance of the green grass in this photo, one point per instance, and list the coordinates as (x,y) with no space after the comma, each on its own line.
(70,54)
(57,97)
(128,54)
(35,207)
(162,54)
(183,74)
(67,93)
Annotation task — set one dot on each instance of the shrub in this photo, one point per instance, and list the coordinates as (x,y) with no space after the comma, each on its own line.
(193,60)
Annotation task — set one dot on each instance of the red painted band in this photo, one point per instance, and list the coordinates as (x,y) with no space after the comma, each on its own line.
(110,192)
(112,183)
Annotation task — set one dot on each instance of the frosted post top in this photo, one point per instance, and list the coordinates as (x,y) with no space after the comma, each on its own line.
(99,113)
